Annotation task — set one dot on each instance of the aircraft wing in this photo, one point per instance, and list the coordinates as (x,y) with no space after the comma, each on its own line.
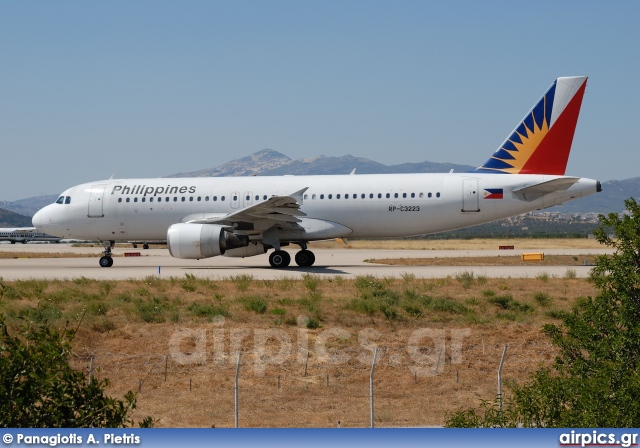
(535,191)
(21,230)
(279,211)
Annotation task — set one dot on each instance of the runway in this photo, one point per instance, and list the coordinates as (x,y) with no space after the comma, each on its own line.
(347,263)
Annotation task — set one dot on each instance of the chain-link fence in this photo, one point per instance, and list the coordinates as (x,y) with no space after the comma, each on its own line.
(309,388)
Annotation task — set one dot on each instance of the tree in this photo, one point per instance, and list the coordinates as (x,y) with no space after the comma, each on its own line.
(594,381)
(38,387)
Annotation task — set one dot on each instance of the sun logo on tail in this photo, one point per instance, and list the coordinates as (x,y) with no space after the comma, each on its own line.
(516,151)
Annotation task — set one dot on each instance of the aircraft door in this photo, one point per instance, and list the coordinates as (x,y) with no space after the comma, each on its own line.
(470,197)
(235,199)
(96,194)
(246,197)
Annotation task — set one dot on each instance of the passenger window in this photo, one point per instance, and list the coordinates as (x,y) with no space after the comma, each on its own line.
(135,199)
(248,197)
(183,198)
(199,198)
(167,199)
(321,196)
(362,196)
(421,195)
(313,196)
(190,198)
(404,195)
(235,198)
(264,197)
(379,195)
(371,196)
(215,198)
(150,199)
(337,196)
(355,196)
(222,198)
(60,200)
(305,196)
(143,200)
(67,200)
(429,195)
(395,195)
(330,196)
(258,197)
(438,194)
(119,199)
(413,195)
(127,199)
(175,199)
(206,198)
(346,196)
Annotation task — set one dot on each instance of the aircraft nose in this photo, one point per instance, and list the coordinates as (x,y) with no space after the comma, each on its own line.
(37,220)
(41,219)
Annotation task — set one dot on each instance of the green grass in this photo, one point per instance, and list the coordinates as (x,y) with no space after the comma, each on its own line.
(255,304)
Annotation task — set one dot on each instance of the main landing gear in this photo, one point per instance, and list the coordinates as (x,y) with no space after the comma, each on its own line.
(106,261)
(281,259)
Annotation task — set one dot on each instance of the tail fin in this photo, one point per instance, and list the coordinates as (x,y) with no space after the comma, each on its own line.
(540,144)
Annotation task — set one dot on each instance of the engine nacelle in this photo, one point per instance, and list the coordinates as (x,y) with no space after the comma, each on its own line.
(251,250)
(195,241)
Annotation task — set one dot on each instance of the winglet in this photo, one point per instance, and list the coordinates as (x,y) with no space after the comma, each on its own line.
(541,143)
(298,195)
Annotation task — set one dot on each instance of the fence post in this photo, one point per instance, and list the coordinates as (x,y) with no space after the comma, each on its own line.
(504,352)
(373,366)
(236,385)
(91,371)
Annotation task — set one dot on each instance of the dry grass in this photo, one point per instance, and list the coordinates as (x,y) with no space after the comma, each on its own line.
(128,325)
(549,260)
(9,255)
(471,244)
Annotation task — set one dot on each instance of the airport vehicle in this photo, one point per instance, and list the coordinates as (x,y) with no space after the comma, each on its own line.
(24,235)
(247,216)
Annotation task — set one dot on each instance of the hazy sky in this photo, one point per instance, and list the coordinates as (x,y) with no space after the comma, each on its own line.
(150,88)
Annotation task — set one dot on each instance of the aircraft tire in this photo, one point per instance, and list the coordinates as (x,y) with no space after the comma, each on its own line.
(145,246)
(279,259)
(106,262)
(305,258)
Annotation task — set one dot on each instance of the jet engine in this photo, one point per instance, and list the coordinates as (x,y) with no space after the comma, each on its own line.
(197,241)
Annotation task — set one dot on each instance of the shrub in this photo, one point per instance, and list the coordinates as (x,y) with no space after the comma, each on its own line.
(255,304)
(465,278)
(41,390)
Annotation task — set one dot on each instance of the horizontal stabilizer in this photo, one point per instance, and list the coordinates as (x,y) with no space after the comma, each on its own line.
(535,191)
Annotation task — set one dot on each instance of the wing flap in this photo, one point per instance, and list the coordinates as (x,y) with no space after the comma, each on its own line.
(281,211)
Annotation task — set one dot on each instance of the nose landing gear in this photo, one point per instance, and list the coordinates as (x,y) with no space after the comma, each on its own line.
(106,261)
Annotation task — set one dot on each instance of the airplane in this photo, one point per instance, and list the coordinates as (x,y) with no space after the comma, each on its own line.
(24,235)
(248,216)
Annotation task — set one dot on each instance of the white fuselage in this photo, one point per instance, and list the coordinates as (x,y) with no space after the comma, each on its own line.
(363,206)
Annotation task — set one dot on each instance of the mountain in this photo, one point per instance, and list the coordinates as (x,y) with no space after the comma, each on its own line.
(610,199)
(11,219)
(272,163)
(28,207)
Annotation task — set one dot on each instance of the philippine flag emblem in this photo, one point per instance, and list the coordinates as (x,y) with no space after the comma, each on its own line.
(493,193)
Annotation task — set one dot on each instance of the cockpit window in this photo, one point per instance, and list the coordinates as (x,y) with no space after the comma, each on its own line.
(67,200)
(60,200)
